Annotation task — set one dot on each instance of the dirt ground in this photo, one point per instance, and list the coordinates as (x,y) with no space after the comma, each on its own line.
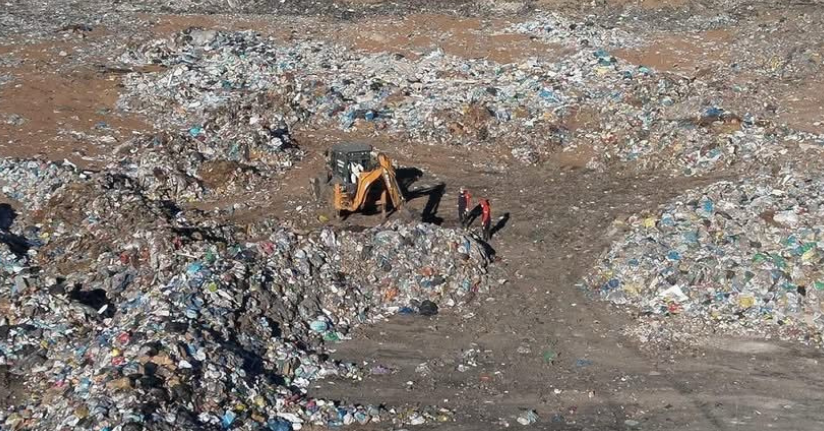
(539,341)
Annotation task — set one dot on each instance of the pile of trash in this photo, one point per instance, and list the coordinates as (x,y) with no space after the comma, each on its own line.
(164,166)
(124,311)
(214,84)
(34,182)
(230,88)
(233,111)
(182,167)
(708,143)
(566,30)
(436,96)
(746,253)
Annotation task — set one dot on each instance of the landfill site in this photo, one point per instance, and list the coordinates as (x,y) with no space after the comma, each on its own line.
(411,215)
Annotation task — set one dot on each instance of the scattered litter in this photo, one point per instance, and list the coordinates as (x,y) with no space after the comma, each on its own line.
(550,355)
(527,417)
(581,363)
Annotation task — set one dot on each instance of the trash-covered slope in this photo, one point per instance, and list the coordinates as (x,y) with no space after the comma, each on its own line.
(745,253)
(123,311)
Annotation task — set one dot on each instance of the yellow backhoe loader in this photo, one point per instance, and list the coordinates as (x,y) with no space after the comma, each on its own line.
(354,172)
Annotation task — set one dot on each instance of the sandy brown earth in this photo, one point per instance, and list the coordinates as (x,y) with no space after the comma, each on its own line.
(598,378)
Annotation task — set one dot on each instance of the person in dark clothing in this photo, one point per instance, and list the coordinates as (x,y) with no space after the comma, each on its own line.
(464,203)
(486,219)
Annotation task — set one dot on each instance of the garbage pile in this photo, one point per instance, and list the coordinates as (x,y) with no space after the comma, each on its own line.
(788,58)
(566,30)
(164,166)
(181,167)
(708,143)
(239,87)
(746,254)
(34,182)
(236,112)
(434,97)
(124,311)
(213,80)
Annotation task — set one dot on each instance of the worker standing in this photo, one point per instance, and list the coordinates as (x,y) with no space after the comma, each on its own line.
(486,219)
(464,204)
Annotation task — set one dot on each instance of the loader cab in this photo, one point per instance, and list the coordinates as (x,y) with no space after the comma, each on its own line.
(347,161)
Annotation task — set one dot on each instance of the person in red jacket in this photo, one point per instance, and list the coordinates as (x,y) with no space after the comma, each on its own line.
(486,219)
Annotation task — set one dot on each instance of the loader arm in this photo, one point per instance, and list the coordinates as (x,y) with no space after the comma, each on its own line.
(392,186)
(365,182)
(385,172)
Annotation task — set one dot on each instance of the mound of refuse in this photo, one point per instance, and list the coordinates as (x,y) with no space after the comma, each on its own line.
(125,312)
(182,167)
(34,182)
(227,88)
(566,30)
(746,254)
(164,166)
